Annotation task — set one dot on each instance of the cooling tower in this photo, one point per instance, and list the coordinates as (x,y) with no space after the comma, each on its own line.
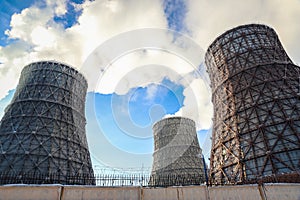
(177,157)
(42,133)
(256,92)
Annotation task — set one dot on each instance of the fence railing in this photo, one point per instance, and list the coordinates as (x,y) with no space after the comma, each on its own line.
(122,180)
(33,178)
(144,180)
(104,180)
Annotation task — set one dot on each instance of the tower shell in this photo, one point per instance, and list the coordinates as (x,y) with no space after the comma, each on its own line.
(42,133)
(177,157)
(255,93)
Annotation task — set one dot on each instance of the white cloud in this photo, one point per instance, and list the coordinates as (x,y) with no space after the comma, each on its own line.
(60,6)
(197,104)
(39,37)
(151,92)
(42,36)
(102,20)
(22,24)
(141,68)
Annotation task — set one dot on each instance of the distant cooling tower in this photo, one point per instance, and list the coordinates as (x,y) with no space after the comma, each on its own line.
(42,134)
(177,158)
(256,98)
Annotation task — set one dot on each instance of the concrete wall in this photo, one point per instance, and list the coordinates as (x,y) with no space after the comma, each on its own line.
(112,193)
(59,192)
(27,192)
(250,192)
(170,193)
(282,191)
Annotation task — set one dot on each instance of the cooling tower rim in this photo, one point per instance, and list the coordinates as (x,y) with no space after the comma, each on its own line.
(211,46)
(183,119)
(60,63)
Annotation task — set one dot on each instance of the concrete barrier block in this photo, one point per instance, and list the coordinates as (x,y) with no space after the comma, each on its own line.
(282,191)
(30,192)
(103,193)
(169,193)
(190,192)
(195,192)
(237,192)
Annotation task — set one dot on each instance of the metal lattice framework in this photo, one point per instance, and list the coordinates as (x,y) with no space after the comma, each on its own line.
(256,98)
(176,153)
(43,130)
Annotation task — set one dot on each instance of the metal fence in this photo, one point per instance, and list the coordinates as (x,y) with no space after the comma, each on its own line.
(143,180)
(104,180)
(55,178)
(122,179)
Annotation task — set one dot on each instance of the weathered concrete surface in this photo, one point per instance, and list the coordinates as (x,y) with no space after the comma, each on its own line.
(103,193)
(160,193)
(179,193)
(282,191)
(30,192)
(169,193)
(195,192)
(237,192)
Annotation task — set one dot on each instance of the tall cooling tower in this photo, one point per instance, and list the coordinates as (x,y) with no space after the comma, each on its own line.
(177,158)
(42,134)
(256,98)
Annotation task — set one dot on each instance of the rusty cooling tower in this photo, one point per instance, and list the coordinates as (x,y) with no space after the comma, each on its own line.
(256,98)
(42,133)
(177,158)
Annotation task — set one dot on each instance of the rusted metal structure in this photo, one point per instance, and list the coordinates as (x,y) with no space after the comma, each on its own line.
(256,97)
(177,157)
(42,133)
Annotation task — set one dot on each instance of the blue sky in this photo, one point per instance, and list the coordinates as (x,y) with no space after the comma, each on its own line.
(141,85)
(7,9)
(142,113)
